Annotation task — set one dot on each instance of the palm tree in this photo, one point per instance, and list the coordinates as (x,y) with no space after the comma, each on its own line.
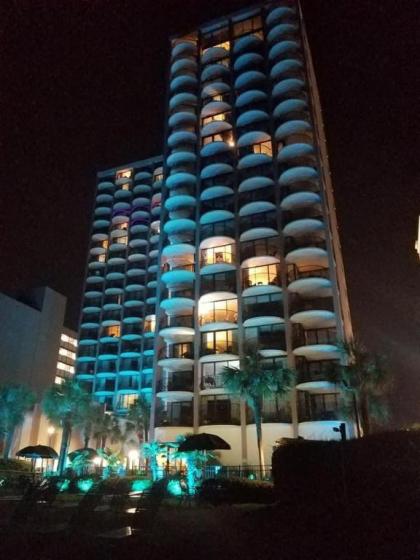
(106,427)
(91,418)
(138,419)
(65,405)
(151,450)
(254,380)
(15,401)
(365,380)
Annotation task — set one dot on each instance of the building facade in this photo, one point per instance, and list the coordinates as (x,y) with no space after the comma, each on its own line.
(36,350)
(117,329)
(248,254)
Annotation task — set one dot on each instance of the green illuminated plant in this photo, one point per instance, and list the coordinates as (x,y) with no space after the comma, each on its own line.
(253,381)
(15,402)
(65,405)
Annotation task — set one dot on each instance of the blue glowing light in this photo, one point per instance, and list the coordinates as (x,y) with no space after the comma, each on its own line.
(85,485)
(174,488)
(141,485)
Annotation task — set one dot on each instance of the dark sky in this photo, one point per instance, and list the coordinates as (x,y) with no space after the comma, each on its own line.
(83,86)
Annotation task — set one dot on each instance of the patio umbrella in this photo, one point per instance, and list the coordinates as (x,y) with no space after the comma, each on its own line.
(88,452)
(37,452)
(203,442)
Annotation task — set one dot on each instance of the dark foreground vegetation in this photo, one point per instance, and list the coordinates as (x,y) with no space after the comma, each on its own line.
(358,500)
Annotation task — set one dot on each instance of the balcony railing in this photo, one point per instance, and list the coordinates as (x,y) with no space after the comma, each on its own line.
(267,194)
(315,407)
(266,275)
(265,246)
(181,350)
(302,337)
(177,381)
(177,321)
(219,282)
(166,267)
(219,315)
(219,203)
(226,227)
(301,214)
(219,411)
(296,273)
(128,383)
(271,308)
(262,219)
(177,414)
(224,254)
(298,304)
(292,243)
(320,370)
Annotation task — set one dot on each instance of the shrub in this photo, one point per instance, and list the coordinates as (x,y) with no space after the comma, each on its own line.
(218,491)
(14,465)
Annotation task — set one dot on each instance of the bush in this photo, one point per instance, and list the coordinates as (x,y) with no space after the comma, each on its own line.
(219,491)
(14,465)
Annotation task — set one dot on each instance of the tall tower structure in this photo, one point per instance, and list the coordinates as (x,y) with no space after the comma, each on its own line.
(116,337)
(228,242)
(249,250)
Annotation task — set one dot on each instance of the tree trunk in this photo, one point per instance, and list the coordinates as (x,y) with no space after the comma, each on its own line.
(356,415)
(65,441)
(8,442)
(86,442)
(364,414)
(258,427)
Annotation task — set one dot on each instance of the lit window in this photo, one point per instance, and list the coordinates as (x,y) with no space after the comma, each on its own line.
(125,401)
(261,275)
(218,117)
(263,148)
(125,187)
(225,136)
(125,173)
(122,240)
(67,353)
(68,339)
(217,255)
(102,258)
(65,368)
(113,330)
(251,25)
(158,177)
(155,227)
(58,380)
(150,323)
(104,244)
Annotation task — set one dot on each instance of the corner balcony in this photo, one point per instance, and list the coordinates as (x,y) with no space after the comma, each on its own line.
(176,386)
(178,274)
(177,414)
(315,344)
(317,375)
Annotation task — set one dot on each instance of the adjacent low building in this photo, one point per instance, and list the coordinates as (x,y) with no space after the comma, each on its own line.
(36,350)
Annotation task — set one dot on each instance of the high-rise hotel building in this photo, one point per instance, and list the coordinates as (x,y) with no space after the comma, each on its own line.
(231,243)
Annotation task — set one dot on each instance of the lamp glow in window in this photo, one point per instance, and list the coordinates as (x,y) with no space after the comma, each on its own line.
(126,173)
(125,187)
(113,330)
(123,240)
(263,148)
(67,353)
(102,258)
(150,323)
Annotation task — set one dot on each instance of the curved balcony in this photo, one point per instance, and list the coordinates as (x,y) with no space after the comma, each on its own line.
(183,65)
(251,118)
(282,32)
(317,375)
(105,186)
(285,69)
(180,138)
(269,338)
(304,228)
(177,301)
(224,203)
(216,71)
(183,84)
(284,49)
(219,250)
(224,228)
(280,15)
(256,220)
(178,274)
(176,385)
(309,280)
(183,351)
(218,282)
(213,54)
(179,414)
(183,49)
(251,79)
(291,110)
(180,230)
(248,61)
(131,348)
(317,413)
(262,274)
(299,242)
(315,344)
(248,43)
(290,88)
(269,304)
(184,102)
(296,131)
(180,202)
(312,312)
(102,211)
(299,179)
(218,310)
(250,97)
(108,350)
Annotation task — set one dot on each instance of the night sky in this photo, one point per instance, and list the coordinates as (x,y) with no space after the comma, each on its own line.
(83,89)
